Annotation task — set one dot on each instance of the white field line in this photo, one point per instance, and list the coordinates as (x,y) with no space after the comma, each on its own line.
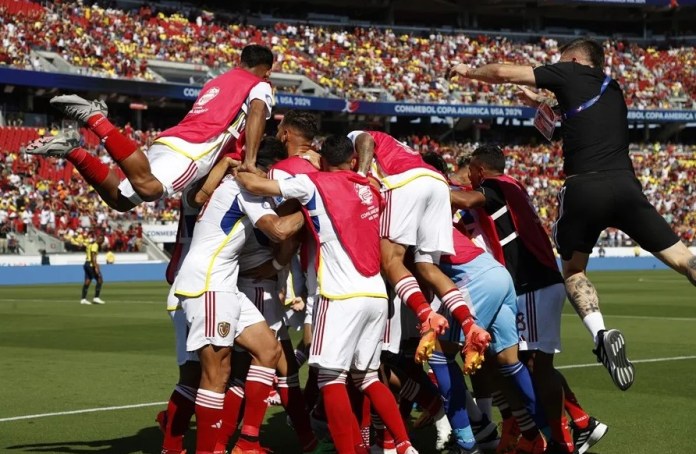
(640,317)
(153,404)
(87,410)
(636,361)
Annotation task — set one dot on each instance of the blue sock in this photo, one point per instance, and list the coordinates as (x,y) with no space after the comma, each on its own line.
(520,375)
(451,386)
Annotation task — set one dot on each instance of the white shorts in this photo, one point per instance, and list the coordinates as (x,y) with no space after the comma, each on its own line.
(180,330)
(539,319)
(419,214)
(392,331)
(174,170)
(212,319)
(348,333)
(248,314)
(265,297)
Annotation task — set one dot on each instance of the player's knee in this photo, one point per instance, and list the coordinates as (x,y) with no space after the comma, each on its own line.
(269,355)
(691,270)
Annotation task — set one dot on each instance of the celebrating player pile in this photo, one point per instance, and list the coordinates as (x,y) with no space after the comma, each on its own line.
(340,234)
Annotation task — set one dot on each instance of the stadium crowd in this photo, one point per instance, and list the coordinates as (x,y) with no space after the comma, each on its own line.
(668,173)
(116,43)
(66,208)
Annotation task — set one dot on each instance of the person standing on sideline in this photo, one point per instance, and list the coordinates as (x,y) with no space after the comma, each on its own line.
(601,189)
(92,271)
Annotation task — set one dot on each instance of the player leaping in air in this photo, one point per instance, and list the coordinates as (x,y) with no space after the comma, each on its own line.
(229,116)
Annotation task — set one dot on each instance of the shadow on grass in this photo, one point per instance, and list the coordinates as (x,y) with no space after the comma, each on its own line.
(146,441)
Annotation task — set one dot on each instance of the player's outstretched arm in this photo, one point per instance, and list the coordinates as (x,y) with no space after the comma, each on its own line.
(365,146)
(280,228)
(258,185)
(198,198)
(255,127)
(496,73)
(464,200)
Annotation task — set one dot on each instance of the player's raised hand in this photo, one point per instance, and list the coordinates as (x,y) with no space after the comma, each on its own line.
(529,97)
(475,346)
(458,70)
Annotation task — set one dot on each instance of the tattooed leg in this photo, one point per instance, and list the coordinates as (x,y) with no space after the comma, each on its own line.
(680,259)
(582,294)
(691,270)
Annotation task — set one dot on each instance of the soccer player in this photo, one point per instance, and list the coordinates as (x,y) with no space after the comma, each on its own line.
(352,307)
(174,421)
(601,189)
(229,115)
(417,214)
(206,286)
(92,271)
(519,241)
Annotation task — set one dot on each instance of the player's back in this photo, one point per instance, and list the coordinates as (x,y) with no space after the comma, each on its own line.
(395,163)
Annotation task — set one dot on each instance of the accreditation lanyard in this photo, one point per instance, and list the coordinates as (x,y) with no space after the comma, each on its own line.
(589,103)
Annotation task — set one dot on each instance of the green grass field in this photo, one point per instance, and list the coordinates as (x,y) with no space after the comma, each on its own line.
(59,357)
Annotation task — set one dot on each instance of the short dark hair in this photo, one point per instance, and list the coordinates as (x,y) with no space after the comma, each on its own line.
(464,160)
(303,122)
(491,157)
(337,150)
(437,161)
(256,55)
(592,49)
(271,150)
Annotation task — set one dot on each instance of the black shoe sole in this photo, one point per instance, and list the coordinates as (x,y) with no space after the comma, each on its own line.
(620,368)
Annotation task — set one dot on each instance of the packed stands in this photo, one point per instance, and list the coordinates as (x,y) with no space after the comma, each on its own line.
(49,194)
(667,172)
(116,43)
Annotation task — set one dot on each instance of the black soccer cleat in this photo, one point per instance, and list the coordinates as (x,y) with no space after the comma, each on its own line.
(611,351)
(585,438)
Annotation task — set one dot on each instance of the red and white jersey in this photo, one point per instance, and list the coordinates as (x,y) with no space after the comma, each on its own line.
(223,226)
(218,117)
(337,276)
(395,163)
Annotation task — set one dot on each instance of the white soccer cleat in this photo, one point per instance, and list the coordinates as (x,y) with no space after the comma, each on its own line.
(98,300)
(78,108)
(84,301)
(443,428)
(58,145)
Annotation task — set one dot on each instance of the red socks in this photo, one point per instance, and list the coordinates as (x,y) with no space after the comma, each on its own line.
(208,419)
(339,414)
(409,292)
(385,406)
(258,387)
(90,167)
(560,432)
(234,398)
(179,412)
(116,144)
(577,414)
(293,401)
(455,303)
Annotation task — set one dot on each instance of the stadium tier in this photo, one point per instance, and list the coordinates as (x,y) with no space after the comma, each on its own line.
(32,185)
(351,62)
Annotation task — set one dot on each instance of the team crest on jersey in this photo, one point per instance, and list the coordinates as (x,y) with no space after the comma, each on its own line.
(365,194)
(208,96)
(223,329)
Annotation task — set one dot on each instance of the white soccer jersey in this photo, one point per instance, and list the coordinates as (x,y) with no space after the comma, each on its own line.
(336,276)
(223,226)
